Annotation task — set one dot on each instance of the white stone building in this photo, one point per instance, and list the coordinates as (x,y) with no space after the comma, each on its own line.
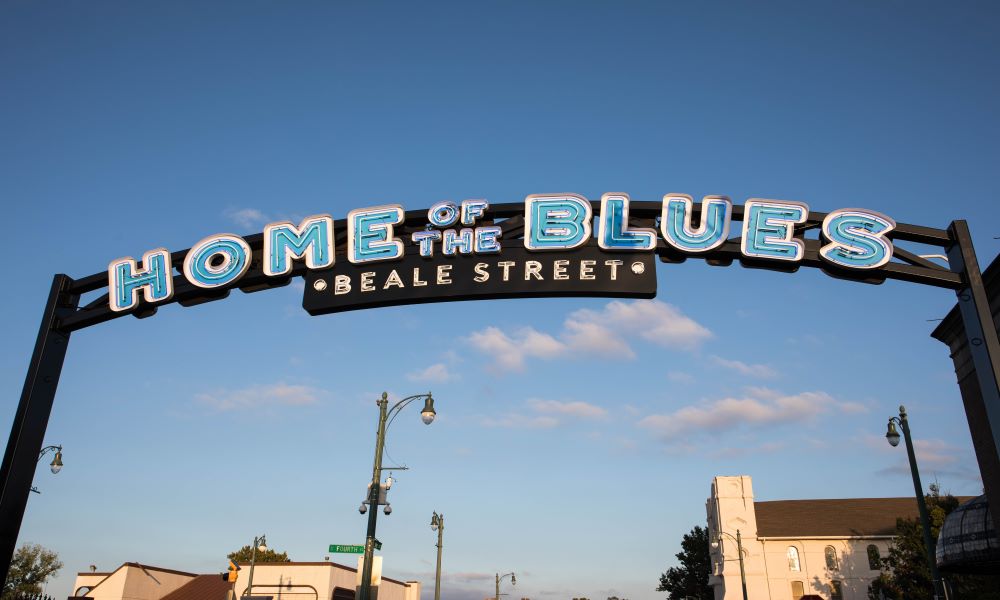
(793,548)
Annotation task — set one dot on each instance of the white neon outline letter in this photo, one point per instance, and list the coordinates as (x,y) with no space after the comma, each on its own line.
(784,224)
(831,251)
(582,203)
(450,209)
(316,232)
(385,246)
(151,262)
(198,253)
(666,224)
(606,229)
(473,210)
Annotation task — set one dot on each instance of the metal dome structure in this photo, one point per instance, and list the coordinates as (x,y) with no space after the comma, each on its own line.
(968,541)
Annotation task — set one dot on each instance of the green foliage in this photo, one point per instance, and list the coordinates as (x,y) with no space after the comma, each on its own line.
(30,567)
(267,556)
(690,579)
(905,573)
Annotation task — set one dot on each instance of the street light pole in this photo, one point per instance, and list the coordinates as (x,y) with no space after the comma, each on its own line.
(893,437)
(739,548)
(385,416)
(262,543)
(513,581)
(437,522)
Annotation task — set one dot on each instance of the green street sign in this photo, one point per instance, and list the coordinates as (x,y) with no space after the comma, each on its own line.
(344,549)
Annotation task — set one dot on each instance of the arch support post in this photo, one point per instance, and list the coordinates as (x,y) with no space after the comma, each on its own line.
(27,433)
(970,331)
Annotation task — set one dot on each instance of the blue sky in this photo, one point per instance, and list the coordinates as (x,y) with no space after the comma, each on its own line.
(129,126)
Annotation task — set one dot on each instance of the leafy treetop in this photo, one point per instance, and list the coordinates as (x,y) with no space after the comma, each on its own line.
(690,579)
(30,567)
(268,556)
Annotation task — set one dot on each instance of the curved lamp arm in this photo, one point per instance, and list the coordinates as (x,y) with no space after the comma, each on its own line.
(427,414)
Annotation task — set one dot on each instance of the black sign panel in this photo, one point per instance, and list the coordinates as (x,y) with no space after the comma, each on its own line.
(515,273)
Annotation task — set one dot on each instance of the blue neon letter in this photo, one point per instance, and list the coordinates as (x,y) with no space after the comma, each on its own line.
(126,280)
(857,238)
(769,229)
(284,242)
(677,227)
(369,234)
(217,260)
(556,221)
(613,232)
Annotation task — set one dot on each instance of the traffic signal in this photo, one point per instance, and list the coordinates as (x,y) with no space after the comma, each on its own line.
(231,574)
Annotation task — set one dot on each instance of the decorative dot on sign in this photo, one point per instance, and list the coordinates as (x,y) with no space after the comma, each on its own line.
(638,268)
(319,285)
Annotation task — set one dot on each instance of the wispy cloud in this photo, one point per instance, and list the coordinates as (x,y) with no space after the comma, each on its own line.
(546,414)
(759,371)
(520,421)
(936,457)
(757,408)
(581,410)
(260,396)
(246,217)
(588,332)
(680,377)
(437,373)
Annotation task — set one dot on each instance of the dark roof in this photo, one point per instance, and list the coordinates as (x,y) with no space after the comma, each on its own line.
(202,587)
(848,517)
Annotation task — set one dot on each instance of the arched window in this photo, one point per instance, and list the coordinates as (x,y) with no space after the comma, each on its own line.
(831,558)
(793,559)
(874,558)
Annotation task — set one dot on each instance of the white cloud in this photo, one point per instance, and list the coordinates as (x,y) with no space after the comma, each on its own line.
(680,377)
(759,407)
(510,351)
(585,331)
(519,421)
(438,373)
(548,414)
(581,410)
(760,371)
(260,396)
(246,217)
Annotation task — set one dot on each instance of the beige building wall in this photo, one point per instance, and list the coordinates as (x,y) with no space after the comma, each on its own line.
(287,581)
(307,581)
(133,581)
(769,571)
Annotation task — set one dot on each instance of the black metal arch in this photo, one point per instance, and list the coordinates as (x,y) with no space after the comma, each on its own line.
(63,315)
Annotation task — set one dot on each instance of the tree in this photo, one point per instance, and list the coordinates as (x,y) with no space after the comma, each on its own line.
(690,579)
(30,567)
(905,569)
(244,553)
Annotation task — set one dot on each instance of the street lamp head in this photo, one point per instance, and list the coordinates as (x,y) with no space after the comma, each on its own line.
(57,463)
(892,435)
(387,510)
(263,544)
(428,413)
(363,508)
(715,544)
(513,579)
(435,523)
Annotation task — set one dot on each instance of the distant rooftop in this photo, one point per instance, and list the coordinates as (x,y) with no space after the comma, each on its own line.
(847,517)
